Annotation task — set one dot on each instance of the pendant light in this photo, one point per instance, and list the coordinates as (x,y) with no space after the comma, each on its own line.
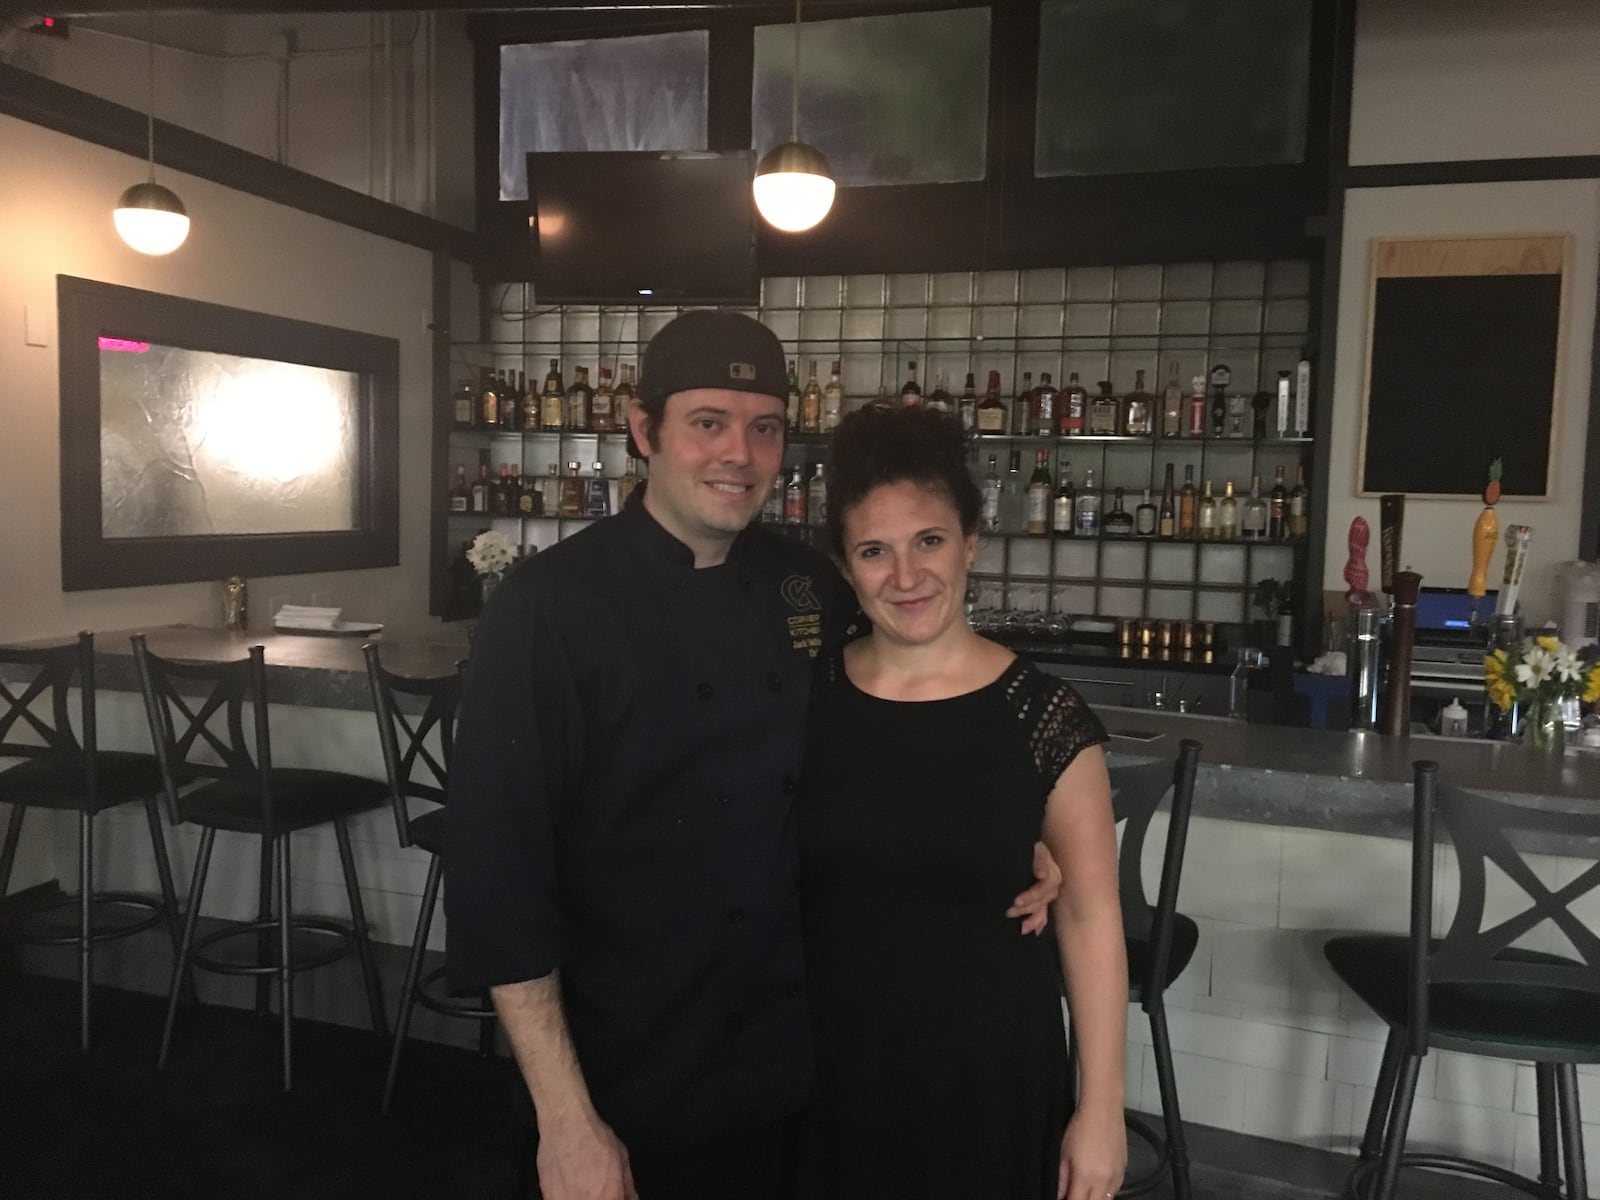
(793,186)
(149,217)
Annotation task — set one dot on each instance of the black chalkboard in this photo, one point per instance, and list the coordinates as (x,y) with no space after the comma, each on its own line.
(1463,370)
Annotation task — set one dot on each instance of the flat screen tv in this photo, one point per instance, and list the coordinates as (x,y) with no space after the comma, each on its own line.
(643,227)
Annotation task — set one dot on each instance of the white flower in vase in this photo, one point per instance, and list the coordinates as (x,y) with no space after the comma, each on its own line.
(491,553)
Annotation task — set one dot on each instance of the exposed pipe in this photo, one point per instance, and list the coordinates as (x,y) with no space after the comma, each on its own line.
(430,146)
(388,107)
(372,102)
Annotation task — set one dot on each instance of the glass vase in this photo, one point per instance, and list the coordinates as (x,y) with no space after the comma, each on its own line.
(487,585)
(1544,729)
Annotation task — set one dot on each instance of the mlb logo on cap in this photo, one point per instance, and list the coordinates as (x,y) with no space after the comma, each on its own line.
(742,371)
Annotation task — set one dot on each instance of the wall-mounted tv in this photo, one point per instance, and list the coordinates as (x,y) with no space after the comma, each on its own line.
(643,227)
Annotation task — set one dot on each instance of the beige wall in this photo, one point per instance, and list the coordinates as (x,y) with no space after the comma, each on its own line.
(56,195)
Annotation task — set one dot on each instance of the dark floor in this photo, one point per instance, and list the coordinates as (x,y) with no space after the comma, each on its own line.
(108,1126)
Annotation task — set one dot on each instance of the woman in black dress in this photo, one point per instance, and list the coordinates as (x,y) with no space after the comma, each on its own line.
(936,760)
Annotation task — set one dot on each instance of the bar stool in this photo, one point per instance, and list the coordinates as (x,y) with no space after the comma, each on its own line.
(415,772)
(1472,992)
(249,795)
(1160,941)
(71,773)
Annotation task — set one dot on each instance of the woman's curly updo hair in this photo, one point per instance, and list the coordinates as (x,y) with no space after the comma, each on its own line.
(896,443)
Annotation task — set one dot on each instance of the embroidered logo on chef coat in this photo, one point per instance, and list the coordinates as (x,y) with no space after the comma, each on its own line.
(799,592)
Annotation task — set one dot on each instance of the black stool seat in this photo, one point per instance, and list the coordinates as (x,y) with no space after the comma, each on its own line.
(1185,937)
(427,831)
(1524,1021)
(301,798)
(61,783)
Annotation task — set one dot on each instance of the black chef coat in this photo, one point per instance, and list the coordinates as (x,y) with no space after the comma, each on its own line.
(622,808)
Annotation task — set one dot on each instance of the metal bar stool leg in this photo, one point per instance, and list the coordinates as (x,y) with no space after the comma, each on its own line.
(180,965)
(1572,1132)
(358,915)
(1166,1080)
(169,893)
(8,854)
(285,961)
(264,938)
(408,990)
(85,924)
(1544,1075)
(1383,1098)
(1394,1142)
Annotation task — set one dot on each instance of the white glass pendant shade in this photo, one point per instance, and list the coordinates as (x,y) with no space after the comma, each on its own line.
(793,187)
(151,219)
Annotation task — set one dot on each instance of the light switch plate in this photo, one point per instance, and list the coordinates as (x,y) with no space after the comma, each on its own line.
(38,325)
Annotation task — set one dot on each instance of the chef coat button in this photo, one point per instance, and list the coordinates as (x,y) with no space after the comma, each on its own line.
(734,1022)
(788,785)
(744,582)
(774,681)
(736,916)
(720,799)
(704,691)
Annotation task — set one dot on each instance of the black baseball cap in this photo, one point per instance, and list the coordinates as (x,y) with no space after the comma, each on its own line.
(708,348)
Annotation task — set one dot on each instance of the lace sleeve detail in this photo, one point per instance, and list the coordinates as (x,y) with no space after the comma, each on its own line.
(1058,722)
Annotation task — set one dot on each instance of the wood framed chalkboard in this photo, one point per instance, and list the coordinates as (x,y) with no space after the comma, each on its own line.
(1463,365)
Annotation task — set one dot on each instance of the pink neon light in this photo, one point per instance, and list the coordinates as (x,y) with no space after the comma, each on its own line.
(124,344)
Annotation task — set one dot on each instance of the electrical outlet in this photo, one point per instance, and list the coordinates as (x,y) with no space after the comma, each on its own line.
(38,325)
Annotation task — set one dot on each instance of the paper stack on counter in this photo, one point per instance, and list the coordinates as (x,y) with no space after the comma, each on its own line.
(306,616)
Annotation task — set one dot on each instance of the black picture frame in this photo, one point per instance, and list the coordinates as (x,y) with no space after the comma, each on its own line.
(88,310)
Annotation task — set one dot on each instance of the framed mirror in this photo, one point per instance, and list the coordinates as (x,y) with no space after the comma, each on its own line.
(200,441)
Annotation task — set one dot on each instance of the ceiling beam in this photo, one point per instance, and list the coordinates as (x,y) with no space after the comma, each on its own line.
(105,8)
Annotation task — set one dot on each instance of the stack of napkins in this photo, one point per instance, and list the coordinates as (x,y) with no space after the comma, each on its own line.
(306,616)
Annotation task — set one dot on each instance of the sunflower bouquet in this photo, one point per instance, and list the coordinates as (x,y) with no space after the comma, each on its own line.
(1540,672)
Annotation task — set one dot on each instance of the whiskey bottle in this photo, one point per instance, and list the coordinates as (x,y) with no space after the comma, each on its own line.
(990,519)
(1014,497)
(1144,517)
(460,499)
(507,390)
(910,393)
(967,406)
(553,402)
(597,493)
(530,500)
(622,402)
(1220,378)
(500,492)
(580,400)
(1040,487)
(1278,508)
(1072,408)
(1044,407)
(832,401)
(489,402)
(1061,516)
(1254,517)
(1206,515)
(794,498)
(480,486)
(1195,426)
(462,405)
(1167,517)
(792,407)
(601,407)
(772,510)
(939,398)
(1227,514)
(1086,512)
(572,488)
(992,409)
(817,498)
(1118,522)
(550,484)
(630,474)
(532,411)
(1172,406)
(811,403)
(1186,504)
(1298,499)
(1104,412)
(1022,407)
(1136,408)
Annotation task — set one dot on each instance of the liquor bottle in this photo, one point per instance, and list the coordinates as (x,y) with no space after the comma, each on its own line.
(553,403)
(1022,407)
(1086,512)
(1301,426)
(1283,408)
(532,410)
(1206,515)
(1072,407)
(832,401)
(967,406)
(817,498)
(1136,408)
(1298,499)
(500,493)
(811,403)
(1061,516)
(1167,517)
(460,499)
(792,408)
(480,486)
(622,403)
(550,483)
(580,399)
(1104,412)
(1014,497)
(514,491)
(530,500)
(489,402)
(1278,508)
(572,489)
(1118,522)
(602,417)
(939,398)
(507,390)
(524,399)
(462,405)
(1144,517)
(992,409)
(1186,504)
(772,510)
(910,393)
(1044,407)
(1195,426)
(1227,513)
(630,474)
(1040,489)
(794,498)
(1172,406)
(1253,519)
(597,493)
(991,494)
(1220,378)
